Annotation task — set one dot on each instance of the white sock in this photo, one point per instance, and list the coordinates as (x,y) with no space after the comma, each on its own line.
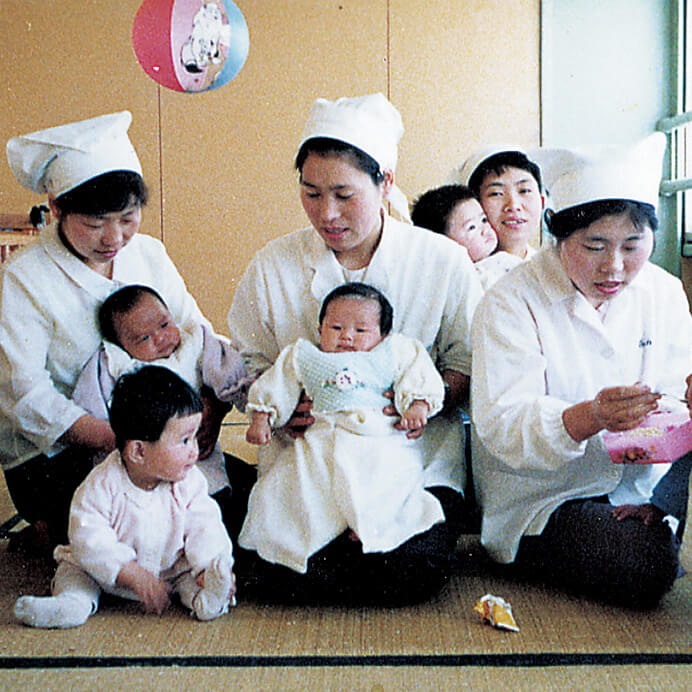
(212,600)
(65,610)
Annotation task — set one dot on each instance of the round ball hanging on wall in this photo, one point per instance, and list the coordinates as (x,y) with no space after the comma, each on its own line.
(190,45)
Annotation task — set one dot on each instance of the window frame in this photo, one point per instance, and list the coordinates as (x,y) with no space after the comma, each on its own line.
(678,182)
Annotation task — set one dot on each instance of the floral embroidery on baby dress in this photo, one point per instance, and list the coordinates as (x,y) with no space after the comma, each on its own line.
(344,380)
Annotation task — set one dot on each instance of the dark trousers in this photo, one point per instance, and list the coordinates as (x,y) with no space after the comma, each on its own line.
(340,573)
(671,494)
(42,488)
(584,549)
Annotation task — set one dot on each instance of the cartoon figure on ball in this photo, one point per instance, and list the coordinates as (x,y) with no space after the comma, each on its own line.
(190,45)
(208,38)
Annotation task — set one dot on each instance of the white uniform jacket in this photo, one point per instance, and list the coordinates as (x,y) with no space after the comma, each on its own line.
(113,522)
(49,301)
(429,280)
(539,348)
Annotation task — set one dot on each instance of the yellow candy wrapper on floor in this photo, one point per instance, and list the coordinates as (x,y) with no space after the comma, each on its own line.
(496,612)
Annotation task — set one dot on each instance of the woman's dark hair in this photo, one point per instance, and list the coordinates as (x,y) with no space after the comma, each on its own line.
(145,400)
(434,207)
(562,224)
(325,146)
(118,303)
(104,194)
(499,163)
(355,289)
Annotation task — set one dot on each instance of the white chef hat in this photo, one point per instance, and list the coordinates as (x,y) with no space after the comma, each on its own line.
(369,123)
(575,177)
(462,175)
(58,159)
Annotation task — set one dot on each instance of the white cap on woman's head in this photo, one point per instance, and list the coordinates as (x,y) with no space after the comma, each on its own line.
(575,177)
(463,174)
(369,123)
(58,159)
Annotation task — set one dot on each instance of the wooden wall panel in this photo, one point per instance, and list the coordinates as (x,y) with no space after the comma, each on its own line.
(220,164)
(64,60)
(229,181)
(464,75)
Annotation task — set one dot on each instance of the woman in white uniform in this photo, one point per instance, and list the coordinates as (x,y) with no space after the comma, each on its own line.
(580,339)
(346,161)
(508,185)
(49,297)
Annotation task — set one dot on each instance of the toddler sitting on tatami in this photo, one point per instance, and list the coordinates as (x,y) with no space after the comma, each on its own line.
(142,524)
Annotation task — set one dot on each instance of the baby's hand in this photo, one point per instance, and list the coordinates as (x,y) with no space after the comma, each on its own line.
(151,591)
(155,595)
(259,432)
(200,581)
(415,418)
(258,436)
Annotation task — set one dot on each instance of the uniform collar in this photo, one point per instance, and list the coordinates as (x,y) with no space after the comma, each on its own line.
(326,272)
(92,282)
(74,268)
(557,284)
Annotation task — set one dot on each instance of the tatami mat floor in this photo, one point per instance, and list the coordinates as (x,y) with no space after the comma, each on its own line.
(564,642)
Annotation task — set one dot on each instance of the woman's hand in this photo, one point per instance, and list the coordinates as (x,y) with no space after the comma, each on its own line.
(89,431)
(614,409)
(624,408)
(648,513)
(457,387)
(301,418)
(153,592)
(213,413)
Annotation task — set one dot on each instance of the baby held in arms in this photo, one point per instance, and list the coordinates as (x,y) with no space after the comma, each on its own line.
(355,468)
(453,211)
(138,328)
(348,323)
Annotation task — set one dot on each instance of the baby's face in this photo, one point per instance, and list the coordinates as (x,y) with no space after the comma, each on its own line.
(468,226)
(350,324)
(171,457)
(147,331)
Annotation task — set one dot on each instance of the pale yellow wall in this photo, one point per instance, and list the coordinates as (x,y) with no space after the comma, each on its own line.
(63,60)
(220,164)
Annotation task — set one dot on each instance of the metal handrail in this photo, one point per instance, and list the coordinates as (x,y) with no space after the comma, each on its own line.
(667,125)
(671,186)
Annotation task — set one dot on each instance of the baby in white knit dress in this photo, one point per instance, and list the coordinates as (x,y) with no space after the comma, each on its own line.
(355,467)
